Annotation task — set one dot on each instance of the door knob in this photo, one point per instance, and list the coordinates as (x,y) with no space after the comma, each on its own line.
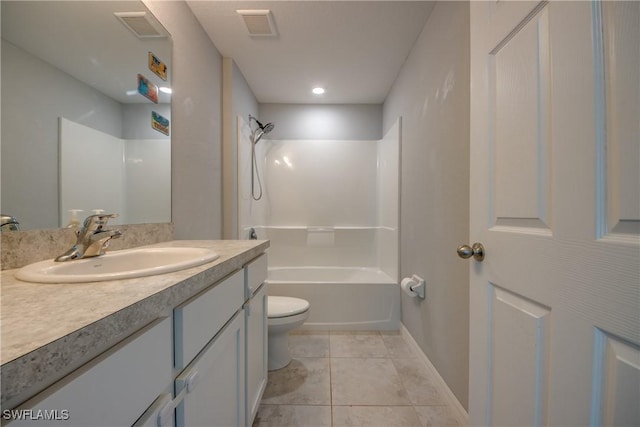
(476,251)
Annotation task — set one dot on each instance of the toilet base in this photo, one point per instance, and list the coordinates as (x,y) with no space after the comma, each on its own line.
(285,314)
(278,353)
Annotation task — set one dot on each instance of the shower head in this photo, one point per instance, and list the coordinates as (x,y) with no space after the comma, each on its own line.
(267,128)
(262,129)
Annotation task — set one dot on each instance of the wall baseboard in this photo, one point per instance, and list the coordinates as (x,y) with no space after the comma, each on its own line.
(452,400)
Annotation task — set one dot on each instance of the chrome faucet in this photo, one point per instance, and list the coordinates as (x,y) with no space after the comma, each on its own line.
(9,223)
(252,234)
(93,239)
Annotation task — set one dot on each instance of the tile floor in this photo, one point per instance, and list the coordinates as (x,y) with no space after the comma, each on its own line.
(343,378)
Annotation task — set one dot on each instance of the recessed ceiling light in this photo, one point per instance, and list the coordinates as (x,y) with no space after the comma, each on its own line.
(165,89)
(318,90)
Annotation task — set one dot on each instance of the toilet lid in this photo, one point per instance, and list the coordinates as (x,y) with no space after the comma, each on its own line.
(285,306)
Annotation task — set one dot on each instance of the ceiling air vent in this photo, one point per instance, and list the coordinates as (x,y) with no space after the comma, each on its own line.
(259,22)
(142,24)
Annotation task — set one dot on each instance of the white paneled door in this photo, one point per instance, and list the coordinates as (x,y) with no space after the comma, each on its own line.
(555,200)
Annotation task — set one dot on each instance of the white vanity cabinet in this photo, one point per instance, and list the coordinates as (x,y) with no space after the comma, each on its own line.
(204,366)
(210,346)
(114,389)
(224,368)
(256,334)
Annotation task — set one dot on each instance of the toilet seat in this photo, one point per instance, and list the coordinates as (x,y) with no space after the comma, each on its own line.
(279,307)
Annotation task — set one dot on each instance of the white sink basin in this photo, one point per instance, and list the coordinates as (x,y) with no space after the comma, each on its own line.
(124,264)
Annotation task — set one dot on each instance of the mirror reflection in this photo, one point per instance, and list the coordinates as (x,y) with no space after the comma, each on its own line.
(86,117)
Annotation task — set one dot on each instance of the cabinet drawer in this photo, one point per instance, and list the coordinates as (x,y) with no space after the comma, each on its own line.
(200,318)
(113,389)
(256,274)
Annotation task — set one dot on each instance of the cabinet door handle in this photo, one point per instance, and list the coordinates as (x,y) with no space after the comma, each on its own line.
(192,381)
(166,413)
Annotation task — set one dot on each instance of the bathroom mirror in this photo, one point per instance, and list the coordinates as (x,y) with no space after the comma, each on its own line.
(85,110)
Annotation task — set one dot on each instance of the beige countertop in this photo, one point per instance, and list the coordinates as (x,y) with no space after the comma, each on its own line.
(49,330)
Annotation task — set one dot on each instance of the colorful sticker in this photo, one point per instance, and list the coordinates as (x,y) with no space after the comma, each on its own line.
(157,66)
(159,123)
(148,89)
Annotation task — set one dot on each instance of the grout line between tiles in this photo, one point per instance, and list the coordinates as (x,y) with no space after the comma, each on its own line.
(330,379)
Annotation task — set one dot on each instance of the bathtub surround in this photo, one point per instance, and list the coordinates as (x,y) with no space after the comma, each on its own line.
(431,94)
(330,210)
(329,202)
(341,298)
(388,200)
(321,183)
(137,185)
(356,123)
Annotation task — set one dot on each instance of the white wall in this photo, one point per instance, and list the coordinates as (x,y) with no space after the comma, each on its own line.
(431,94)
(238,101)
(323,121)
(30,132)
(136,120)
(196,124)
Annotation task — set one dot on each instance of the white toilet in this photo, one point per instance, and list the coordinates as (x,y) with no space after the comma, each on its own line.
(285,314)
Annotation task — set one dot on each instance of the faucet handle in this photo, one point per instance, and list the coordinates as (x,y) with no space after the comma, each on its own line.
(98,220)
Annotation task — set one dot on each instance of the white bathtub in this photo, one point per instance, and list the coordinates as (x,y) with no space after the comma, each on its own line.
(341,298)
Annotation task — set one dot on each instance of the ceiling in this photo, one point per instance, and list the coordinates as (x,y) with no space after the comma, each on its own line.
(354,49)
(85,40)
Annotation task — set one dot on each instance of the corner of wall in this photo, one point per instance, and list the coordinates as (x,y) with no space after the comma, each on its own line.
(229,155)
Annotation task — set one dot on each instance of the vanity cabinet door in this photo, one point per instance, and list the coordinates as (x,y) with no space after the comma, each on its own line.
(257,333)
(201,317)
(215,381)
(114,389)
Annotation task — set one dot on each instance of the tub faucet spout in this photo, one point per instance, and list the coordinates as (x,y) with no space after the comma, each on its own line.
(93,239)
